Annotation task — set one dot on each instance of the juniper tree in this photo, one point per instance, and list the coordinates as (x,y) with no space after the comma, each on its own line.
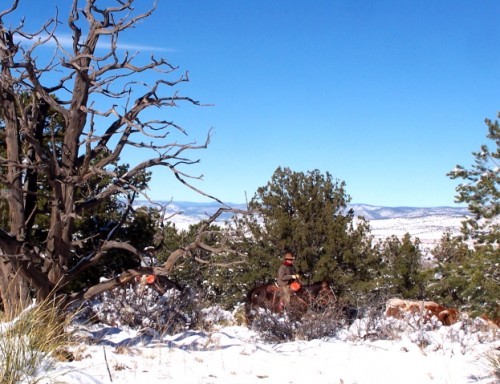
(401,265)
(215,277)
(308,213)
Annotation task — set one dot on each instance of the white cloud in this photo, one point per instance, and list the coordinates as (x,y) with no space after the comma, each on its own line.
(66,41)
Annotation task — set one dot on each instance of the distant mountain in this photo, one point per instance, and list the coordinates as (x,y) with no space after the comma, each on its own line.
(185,213)
(428,224)
(369,212)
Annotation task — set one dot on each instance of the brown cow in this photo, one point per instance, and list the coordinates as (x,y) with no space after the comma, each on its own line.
(397,307)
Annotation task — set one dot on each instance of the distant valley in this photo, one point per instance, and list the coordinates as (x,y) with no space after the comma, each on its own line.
(428,224)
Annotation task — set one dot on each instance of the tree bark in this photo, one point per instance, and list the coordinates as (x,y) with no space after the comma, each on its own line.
(65,139)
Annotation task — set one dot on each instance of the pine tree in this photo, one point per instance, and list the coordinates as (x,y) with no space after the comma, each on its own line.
(481,190)
(466,277)
(469,271)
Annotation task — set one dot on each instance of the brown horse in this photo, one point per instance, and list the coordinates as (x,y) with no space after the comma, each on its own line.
(267,296)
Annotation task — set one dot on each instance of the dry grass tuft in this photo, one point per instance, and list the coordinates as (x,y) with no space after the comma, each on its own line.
(493,362)
(32,341)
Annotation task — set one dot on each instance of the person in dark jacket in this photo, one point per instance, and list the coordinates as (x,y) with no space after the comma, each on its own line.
(286,275)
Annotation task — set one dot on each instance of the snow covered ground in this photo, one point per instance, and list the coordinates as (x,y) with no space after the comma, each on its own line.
(460,354)
(229,352)
(429,229)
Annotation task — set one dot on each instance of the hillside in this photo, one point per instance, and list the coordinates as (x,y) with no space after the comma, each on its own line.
(428,224)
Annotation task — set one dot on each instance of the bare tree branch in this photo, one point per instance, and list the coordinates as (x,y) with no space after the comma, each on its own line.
(65,140)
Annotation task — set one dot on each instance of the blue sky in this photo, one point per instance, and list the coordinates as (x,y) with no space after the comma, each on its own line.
(387,96)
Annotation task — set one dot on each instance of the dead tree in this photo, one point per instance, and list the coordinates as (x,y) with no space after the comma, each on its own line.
(59,135)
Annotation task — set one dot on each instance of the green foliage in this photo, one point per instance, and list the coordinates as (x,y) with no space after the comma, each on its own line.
(481,190)
(95,224)
(172,239)
(138,228)
(451,250)
(402,273)
(470,277)
(470,280)
(307,212)
(141,227)
(215,277)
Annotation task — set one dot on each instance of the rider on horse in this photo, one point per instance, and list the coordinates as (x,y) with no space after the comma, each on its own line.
(286,275)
